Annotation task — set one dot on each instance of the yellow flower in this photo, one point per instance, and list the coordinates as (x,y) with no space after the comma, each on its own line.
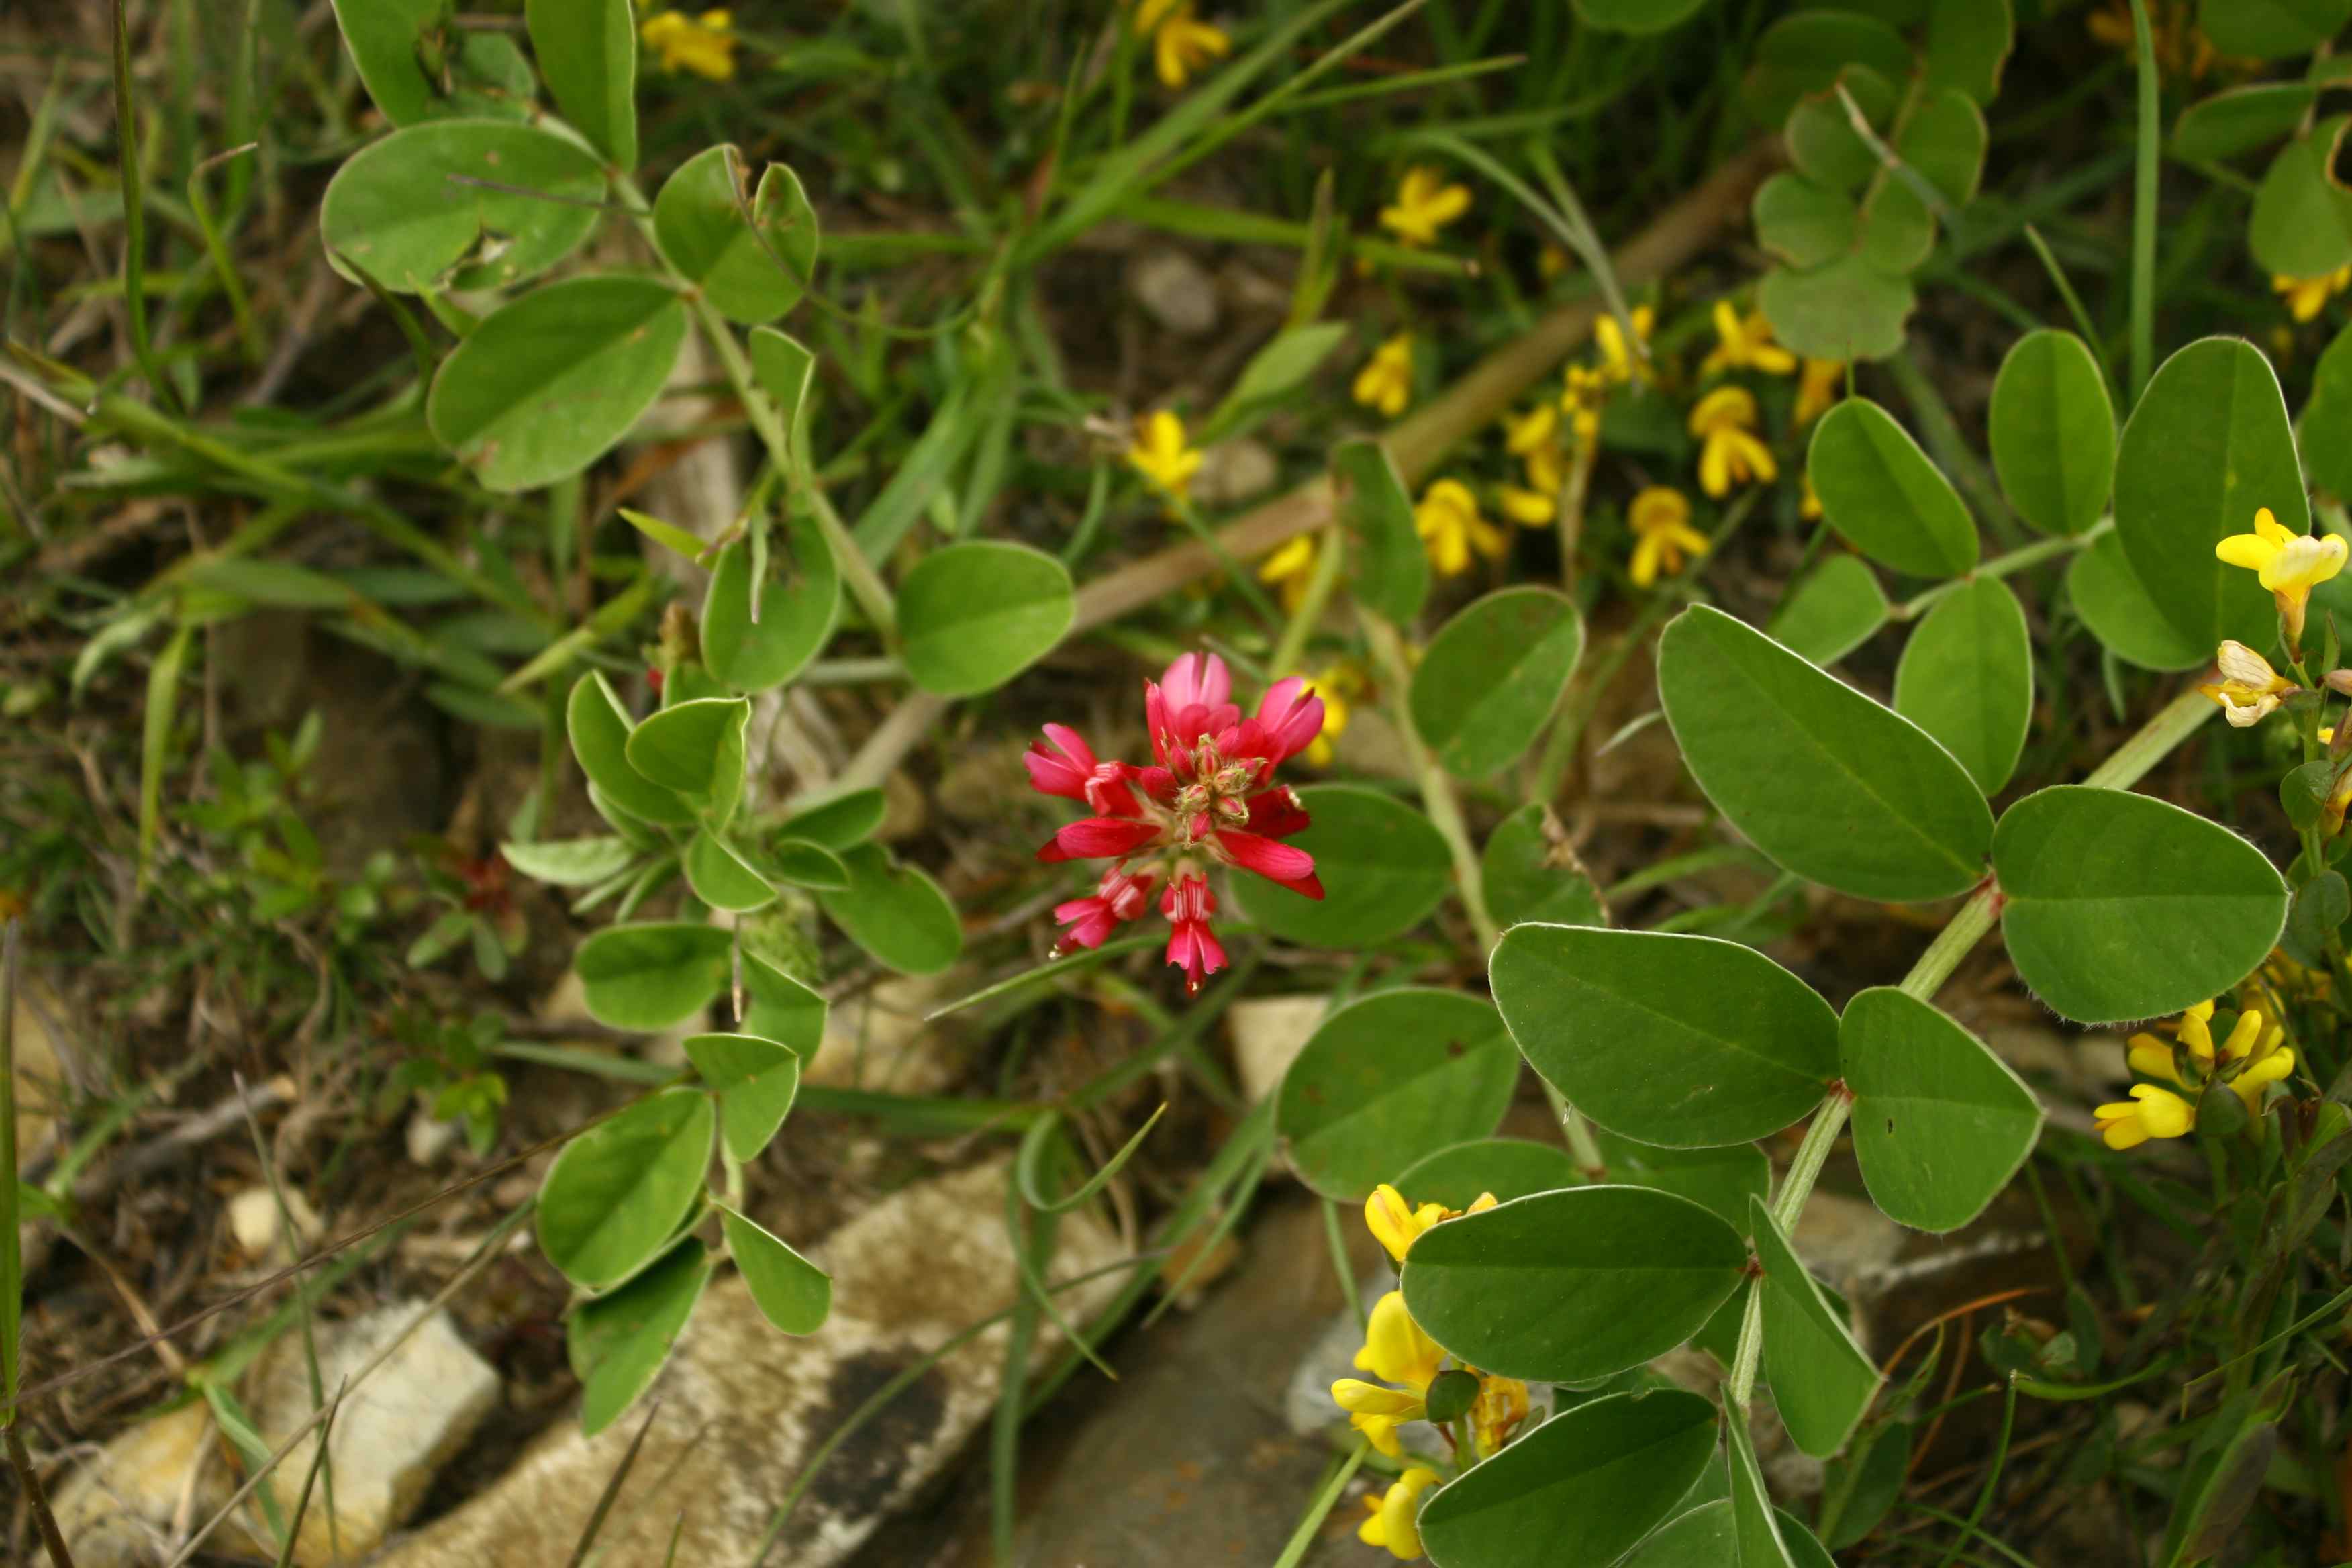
(1292,566)
(1822,383)
(1501,1406)
(2151,1113)
(1386,380)
(1620,360)
(2195,1027)
(704,44)
(1588,389)
(1662,535)
(2248,689)
(1745,346)
(2151,1058)
(1450,527)
(1336,685)
(1161,456)
(1810,506)
(1395,1350)
(1181,42)
(1531,431)
(2259,1046)
(2289,565)
(1528,507)
(2181,46)
(1394,1223)
(1423,205)
(1391,1523)
(1377,1412)
(2306,297)
(1725,421)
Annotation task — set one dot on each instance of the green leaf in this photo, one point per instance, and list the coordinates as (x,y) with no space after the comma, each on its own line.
(1966,679)
(617,1193)
(1580,1489)
(1848,310)
(392,41)
(974,615)
(722,879)
(1943,139)
(791,1292)
(1390,1079)
(1802,221)
(1895,231)
(2053,432)
(1821,1380)
(1529,877)
(1507,1167)
(1883,494)
(2207,446)
(1492,675)
(700,225)
(784,370)
(1719,1180)
(2118,906)
(2301,224)
(575,863)
(548,384)
(1374,507)
(599,728)
(651,976)
(782,1009)
(2240,118)
(1968,43)
(795,614)
(1940,1124)
(1686,1042)
(1879,1470)
(1637,15)
(756,1080)
(2267,29)
(1823,143)
(1567,1286)
(1835,610)
(1277,369)
(669,535)
(694,749)
(618,1342)
(1756,1536)
(2107,595)
(410,209)
(1822,780)
(1802,54)
(2326,434)
(841,823)
(807,865)
(1706,1537)
(587,50)
(894,912)
(1382,866)
(280,584)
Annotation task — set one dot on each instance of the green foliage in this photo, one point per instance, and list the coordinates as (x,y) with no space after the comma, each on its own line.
(1885,496)
(751,257)
(419,209)
(1966,679)
(975,615)
(1833,610)
(1491,676)
(1940,1124)
(755,1080)
(756,642)
(619,1190)
(618,1342)
(1383,869)
(1821,1379)
(791,1292)
(2053,432)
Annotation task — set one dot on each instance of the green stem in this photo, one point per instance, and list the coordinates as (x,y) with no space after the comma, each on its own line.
(2148,141)
(1579,1134)
(1742,1386)
(1437,789)
(1341,1269)
(1329,558)
(2004,566)
(1312,1526)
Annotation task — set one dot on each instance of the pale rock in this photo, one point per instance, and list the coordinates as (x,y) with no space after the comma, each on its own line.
(118,1510)
(1234,471)
(429,1138)
(259,1227)
(1268,1032)
(1845,1239)
(742,1407)
(878,1039)
(1174,291)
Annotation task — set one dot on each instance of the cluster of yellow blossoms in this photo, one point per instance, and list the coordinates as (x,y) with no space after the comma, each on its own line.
(704,44)
(2253,1056)
(1396,1350)
(1181,42)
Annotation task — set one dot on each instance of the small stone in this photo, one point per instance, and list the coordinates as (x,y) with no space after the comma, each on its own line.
(1234,471)
(1268,1032)
(1845,1239)
(429,1138)
(117,1510)
(1174,291)
(259,1227)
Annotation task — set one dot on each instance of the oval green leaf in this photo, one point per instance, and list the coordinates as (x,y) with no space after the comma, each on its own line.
(599,727)
(575,863)
(1563,1286)
(2117,906)
(791,1292)
(973,616)
(694,749)
(460,202)
(1825,781)
(750,274)
(1390,1079)
(1832,611)
(795,614)
(894,912)
(1392,568)
(1802,54)
(1820,135)
(845,820)
(618,1342)
(1968,43)
(1966,679)
(2208,445)
(653,975)
(722,879)
(1802,221)
(617,1193)
(2107,595)
(2267,29)
(1821,1380)
(1885,496)
(547,384)
(1719,1180)
(391,39)
(1382,866)
(1507,1167)
(1940,1124)
(2301,224)
(756,1080)
(806,865)
(2241,118)
(781,1008)
(1848,310)
(2054,432)
(587,50)
(1756,1538)
(1492,675)
(1582,1487)
(1686,1042)
(2325,435)
(1527,874)
(1706,1537)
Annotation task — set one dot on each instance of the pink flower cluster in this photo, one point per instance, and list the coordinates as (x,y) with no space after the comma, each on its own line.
(1208,797)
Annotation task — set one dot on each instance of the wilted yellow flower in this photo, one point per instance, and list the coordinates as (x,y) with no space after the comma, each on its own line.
(1392,1523)
(1386,380)
(1291,567)
(1336,685)
(1451,527)
(2248,689)
(2151,1113)
(1181,42)
(1424,205)
(1528,507)
(2306,297)
(1161,456)
(1819,385)
(1745,344)
(1663,538)
(1808,506)
(2289,565)
(704,44)
(1501,1406)
(1725,423)
(1620,362)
